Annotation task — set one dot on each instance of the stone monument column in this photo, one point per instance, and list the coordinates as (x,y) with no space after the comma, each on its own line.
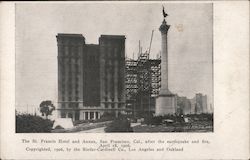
(166,101)
(164,58)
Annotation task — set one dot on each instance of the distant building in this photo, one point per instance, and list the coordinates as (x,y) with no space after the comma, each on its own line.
(199,104)
(183,105)
(90,76)
(210,109)
(204,104)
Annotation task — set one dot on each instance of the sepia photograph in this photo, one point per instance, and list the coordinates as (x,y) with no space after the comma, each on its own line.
(114,67)
(134,80)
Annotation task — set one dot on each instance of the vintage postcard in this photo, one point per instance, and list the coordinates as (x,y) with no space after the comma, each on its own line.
(150,69)
(126,80)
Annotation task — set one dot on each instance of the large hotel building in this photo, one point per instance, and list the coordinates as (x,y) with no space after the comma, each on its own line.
(90,76)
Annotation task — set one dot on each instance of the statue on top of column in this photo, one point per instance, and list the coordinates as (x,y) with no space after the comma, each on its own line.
(164,13)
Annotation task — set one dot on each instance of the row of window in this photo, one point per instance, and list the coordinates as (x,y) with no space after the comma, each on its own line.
(70,83)
(70,78)
(69,67)
(88,115)
(112,52)
(112,105)
(70,50)
(67,60)
(70,92)
(70,105)
(112,99)
(70,98)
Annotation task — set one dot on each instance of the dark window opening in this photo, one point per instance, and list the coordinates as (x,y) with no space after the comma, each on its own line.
(70,115)
(77,115)
(63,115)
(91,115)
(106,105)
(86,115)
(96,115)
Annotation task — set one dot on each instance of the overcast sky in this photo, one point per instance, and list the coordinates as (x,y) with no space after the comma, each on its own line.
(189,41)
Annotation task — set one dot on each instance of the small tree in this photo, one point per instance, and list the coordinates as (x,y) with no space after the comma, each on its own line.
(46,108)
(27,123)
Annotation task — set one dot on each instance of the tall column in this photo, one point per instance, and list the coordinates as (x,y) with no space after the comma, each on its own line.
(73,115)
(66,71)
(83,115)
(60,60)
(80,86)
(116,79)
(88,115)
(102,74)
(164,58)
(109,77)
(166,101)
(99,115)
(72,66)
(122,75)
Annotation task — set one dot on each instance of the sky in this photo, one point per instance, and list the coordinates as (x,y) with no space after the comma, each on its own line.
(189,41)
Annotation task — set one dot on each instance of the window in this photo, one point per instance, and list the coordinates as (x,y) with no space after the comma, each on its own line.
(63,115)
(77,79)
(62,68)
(62,52)
(91,115)
(119,105)
(75,50)
(70,91)
(69,86)
(70,115)
(77,105)
(96,115)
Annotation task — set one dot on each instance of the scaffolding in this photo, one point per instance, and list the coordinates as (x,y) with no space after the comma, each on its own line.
(131,83)
(155,70)
(142,83)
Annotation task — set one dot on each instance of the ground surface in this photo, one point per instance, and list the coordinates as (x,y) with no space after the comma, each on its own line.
(185,127)
(83,127)
(96,130)
(182,127)
(101,129)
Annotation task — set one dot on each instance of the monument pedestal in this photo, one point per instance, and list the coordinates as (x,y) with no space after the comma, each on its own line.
(165,105)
